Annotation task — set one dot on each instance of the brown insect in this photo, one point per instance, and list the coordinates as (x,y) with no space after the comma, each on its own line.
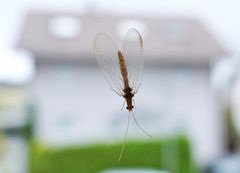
(123,70)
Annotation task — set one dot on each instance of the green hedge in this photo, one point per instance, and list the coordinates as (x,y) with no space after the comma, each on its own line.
(171,154)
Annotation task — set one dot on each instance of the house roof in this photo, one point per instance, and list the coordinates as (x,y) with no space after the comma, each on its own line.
(166,40)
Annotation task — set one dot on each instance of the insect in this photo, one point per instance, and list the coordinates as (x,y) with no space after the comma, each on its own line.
(122,69)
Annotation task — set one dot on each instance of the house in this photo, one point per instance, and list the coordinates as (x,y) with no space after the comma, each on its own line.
(74,104)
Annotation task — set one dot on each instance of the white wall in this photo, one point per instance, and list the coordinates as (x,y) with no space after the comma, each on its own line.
(75,106)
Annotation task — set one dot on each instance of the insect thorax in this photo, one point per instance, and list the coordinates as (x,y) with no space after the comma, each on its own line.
(128,92)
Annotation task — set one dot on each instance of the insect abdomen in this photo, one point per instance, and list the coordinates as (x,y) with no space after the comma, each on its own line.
(123,69)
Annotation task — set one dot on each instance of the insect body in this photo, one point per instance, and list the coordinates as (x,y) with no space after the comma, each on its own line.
(128,95)
(122,69)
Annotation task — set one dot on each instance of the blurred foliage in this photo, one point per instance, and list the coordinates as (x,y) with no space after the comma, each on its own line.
(171,154)
(232,135)
(2,144)
(26,130)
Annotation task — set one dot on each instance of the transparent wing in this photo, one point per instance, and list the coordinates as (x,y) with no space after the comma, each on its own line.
(106,52)
(132,52)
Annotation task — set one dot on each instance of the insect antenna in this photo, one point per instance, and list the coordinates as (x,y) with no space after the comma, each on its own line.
(144,131)
(125,138)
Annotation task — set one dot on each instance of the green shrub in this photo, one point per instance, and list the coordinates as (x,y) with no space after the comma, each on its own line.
(171,154)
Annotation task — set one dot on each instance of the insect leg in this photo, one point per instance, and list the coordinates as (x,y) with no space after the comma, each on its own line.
(125,138)
(137,88)
(134,103)
(123,104)
(120,78)
(140,126)
(120,94)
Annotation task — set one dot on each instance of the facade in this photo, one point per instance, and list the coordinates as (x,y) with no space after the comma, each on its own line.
(72,98)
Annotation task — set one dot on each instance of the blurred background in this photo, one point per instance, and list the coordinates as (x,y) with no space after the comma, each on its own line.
(57,114)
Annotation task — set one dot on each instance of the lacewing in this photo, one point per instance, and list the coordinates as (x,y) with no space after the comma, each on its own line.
(122,69)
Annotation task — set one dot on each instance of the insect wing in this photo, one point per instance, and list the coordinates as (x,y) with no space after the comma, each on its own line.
(132,52)
(106,52)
